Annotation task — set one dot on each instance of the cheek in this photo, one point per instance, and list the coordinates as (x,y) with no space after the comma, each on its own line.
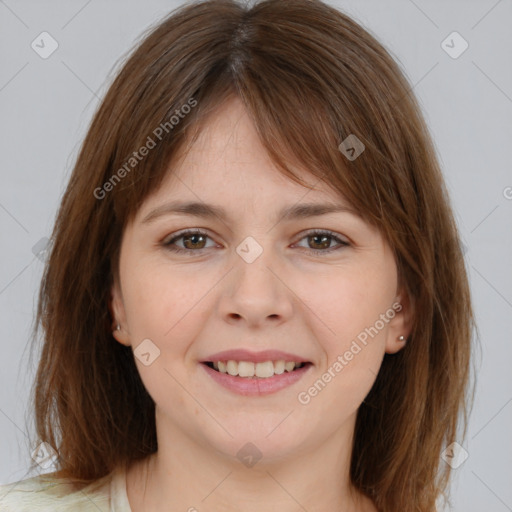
(166,307)
(349,301)
(163,308)
(353,347)
(169,309)
(357,308)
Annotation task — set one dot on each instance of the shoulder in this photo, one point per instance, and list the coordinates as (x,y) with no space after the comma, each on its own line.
(45,493)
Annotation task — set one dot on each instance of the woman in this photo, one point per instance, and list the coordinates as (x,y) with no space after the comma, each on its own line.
(255,296)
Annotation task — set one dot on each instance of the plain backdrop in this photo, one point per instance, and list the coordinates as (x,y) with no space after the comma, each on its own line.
(46,105)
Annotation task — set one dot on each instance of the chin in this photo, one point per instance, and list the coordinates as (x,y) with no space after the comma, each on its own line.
(261,444)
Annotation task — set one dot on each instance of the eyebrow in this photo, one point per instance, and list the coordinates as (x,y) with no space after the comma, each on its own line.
(208,211)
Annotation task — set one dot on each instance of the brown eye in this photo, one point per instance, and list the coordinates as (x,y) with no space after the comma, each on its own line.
(319,242)
(193,241)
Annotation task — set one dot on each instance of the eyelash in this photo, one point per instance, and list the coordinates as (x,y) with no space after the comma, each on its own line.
(316,252)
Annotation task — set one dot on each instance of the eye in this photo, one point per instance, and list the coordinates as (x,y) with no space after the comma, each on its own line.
(194,241)
(322,240)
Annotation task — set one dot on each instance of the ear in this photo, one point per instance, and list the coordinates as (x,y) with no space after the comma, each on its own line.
(401,324)
(118,314)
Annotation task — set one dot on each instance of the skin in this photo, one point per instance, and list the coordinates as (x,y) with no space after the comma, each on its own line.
(192,305)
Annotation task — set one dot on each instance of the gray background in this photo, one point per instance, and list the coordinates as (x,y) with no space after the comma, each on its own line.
(46,105)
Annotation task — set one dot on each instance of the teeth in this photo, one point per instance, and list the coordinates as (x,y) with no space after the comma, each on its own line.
(248,369)
(265,369)
(245,369)
(279,367)
(232,368)
(289,367)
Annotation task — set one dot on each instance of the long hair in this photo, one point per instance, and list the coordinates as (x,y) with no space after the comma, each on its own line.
(309,77)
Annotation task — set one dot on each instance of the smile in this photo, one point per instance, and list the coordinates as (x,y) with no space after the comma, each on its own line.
(248,378)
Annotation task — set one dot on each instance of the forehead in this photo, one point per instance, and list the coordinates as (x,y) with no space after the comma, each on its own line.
(227,163)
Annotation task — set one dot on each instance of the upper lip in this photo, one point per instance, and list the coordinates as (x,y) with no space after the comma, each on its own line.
(255,357)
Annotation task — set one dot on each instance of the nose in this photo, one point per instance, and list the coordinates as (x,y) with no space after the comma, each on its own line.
(255,291)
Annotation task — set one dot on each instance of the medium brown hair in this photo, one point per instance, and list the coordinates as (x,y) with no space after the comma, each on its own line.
(309,76)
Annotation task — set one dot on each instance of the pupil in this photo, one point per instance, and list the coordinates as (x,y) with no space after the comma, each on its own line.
(187,238)
(323,237)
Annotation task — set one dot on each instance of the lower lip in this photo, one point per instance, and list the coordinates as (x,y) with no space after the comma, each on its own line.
(247,386)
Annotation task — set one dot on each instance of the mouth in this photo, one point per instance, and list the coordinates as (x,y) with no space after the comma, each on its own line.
(251,370)
(247,378)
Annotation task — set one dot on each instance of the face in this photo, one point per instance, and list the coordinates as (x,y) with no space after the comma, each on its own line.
(318,289)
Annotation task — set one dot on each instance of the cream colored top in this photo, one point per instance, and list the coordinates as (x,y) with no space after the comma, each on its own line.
(44,493)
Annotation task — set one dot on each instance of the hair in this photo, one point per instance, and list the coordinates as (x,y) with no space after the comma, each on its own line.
(309,76)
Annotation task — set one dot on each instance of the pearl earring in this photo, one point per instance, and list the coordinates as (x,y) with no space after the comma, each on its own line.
(118,327)
(401,338)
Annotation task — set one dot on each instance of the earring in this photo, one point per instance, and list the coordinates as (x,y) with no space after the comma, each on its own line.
(118,328)
(401,338)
